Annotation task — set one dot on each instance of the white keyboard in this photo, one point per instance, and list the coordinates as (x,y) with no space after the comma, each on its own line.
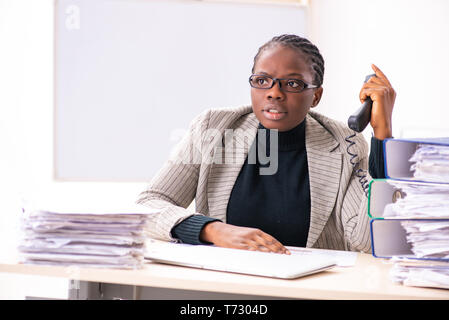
(239,261)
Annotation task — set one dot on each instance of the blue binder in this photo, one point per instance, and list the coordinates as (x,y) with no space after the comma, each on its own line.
(397,153)
(388,237)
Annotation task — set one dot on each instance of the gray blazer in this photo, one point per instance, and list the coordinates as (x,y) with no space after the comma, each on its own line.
(196,170)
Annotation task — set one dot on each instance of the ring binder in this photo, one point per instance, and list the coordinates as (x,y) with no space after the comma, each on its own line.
(409,211)
(397,153)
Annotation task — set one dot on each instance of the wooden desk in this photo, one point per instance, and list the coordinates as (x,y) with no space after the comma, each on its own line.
(368,279)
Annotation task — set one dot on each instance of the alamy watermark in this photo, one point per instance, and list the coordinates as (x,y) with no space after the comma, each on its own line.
(231,146)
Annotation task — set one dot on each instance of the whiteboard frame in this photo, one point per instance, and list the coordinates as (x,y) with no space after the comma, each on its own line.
(288,3)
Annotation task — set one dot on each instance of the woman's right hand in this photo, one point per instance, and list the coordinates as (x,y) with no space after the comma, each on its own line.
(230,236)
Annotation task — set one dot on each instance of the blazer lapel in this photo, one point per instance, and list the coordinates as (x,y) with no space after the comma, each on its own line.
(324,175)
(229,159)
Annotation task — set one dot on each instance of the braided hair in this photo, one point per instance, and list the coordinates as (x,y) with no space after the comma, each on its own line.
(303,45)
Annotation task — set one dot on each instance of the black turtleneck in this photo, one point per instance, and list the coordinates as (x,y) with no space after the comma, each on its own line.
(278,204)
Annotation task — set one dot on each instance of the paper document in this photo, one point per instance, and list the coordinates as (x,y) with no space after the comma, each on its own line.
(83,233)
(420,273)
(425,210)
(67,204)
(431,163)
(342,258)
(420,200)
(429,239)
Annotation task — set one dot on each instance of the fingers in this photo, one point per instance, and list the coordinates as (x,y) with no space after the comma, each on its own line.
(376,86)
(267,242)
(262,241)
(372,92)
(382,94)
(230,236)
(380,74)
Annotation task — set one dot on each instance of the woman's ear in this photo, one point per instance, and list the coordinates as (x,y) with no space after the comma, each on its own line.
(317,97)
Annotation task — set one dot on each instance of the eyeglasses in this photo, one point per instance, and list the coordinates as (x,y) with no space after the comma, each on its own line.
(260,81)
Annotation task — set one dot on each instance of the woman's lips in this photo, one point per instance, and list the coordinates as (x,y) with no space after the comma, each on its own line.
(274,115)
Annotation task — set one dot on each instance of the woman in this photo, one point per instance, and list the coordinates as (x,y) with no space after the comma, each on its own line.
(311,195)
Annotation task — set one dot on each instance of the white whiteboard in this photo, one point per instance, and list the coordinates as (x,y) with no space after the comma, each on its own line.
(131,75)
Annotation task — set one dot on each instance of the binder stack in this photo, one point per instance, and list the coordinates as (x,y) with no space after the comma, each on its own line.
(409,211)
(84,235)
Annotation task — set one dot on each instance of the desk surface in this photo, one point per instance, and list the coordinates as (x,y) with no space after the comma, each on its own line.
(368,279)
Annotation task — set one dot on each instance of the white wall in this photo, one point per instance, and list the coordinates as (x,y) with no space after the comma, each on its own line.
(408,40)
(26,136)
(26,59)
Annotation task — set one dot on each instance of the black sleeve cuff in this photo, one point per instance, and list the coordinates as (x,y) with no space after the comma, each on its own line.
(188,231)
(376,159)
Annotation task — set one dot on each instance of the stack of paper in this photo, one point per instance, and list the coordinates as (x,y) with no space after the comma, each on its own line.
(420,273)
(424,210)
(420,200)
(429,238)
(431,163)
(91,237)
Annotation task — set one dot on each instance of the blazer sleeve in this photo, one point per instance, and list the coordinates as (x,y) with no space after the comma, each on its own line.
(174,186)
(355,202)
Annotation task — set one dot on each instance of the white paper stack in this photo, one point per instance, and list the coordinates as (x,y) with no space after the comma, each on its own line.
(425,213)
(431,163)
(420,273)
(80,235)
(422,200)
(429,238)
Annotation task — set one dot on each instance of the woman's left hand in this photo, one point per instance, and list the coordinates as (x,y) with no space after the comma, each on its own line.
(379,89)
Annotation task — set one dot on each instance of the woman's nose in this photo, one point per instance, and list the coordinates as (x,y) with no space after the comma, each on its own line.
(276,92)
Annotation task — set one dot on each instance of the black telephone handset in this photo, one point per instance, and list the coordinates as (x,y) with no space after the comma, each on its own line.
(360,119)
(358,122)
